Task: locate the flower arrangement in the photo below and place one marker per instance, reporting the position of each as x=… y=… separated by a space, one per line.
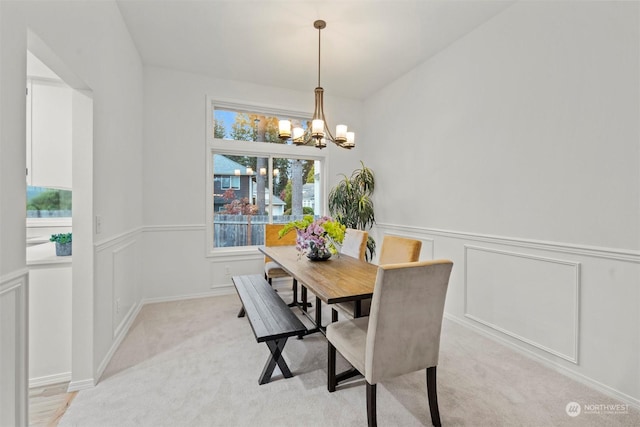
x=317 y=238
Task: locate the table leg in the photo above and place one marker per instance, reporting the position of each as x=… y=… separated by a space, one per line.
x=319 y=313
x=295 y=294
x=304 y=299
x=357 y=310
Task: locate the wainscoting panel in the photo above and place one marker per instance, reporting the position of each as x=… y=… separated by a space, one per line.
x=117 y=293
x=50 y=323
x=13 y=345
x=574 y=308
x=533 y=299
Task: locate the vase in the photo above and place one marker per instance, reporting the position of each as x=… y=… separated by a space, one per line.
x=318 y=253
x=63 y=249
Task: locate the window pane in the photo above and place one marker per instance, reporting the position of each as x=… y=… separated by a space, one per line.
x=246 y=126
x=241 y=212
x=45 y=202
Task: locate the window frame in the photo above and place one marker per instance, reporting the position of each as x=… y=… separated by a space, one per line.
x=251 y=148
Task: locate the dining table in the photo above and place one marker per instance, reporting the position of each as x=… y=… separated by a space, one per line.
x=340 y=278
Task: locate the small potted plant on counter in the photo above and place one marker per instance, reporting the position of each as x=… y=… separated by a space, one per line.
x=63 y=243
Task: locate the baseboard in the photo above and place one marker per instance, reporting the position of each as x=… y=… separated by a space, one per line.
x=49 y=379
x=120 y=333
x=81 y=385
x=126 y=322
x=589 y=382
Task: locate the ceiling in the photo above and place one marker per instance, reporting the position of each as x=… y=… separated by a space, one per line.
x=365 y=46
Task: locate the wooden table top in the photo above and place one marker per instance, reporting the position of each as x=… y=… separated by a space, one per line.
x=340 y=278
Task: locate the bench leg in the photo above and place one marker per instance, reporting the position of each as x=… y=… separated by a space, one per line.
x=275 y=347
x=241 y=312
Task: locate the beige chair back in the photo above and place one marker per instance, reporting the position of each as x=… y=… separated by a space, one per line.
x=397 y=249
x=355 y=243
x=406 y=318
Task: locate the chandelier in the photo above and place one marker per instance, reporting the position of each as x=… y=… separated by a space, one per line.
x=319 y=131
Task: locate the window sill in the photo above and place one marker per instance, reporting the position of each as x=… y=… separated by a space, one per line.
x=48 y=222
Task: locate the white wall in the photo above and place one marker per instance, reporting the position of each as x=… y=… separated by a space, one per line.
x=175 y=176
x=515 y=152
x=49 y=325
x=92 y=42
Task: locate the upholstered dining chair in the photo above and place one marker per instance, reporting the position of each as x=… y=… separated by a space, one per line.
x=273 y=270
x=354 y=243
x=402 y=332
x=395 y=249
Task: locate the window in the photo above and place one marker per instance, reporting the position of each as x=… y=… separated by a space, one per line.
x=230 y=182
x=45 y=202
x=253 y=178
x=239 y=124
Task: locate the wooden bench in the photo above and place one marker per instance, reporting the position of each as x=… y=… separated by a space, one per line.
x=271 y=320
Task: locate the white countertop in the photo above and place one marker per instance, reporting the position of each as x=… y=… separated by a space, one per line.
x=45 y=253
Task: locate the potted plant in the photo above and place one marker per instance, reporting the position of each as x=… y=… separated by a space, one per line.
x=350 y=203
x=63 y=243
x=317 y=238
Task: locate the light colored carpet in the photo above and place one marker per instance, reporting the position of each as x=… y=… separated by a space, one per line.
x=194 y=363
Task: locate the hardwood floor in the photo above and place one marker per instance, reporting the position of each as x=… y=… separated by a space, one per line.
x=48 y=403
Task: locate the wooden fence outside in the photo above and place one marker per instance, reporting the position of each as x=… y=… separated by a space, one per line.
x=244 y=230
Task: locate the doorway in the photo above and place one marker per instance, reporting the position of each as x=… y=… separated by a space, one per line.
x=61 y=287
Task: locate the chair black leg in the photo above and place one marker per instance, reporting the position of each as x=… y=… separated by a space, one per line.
x=433 y=396
x=241 y=312
x=371 y=405
x=270 y=280
x=331 y=369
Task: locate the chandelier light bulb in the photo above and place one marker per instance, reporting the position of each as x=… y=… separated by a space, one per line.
x=341 y=133
x=284 y=129
x=351 y=140
x=298 y=134
x=317 y=128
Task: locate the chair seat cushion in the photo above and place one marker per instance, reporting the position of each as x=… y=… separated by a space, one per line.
x=349 y=337
x=273 y=269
